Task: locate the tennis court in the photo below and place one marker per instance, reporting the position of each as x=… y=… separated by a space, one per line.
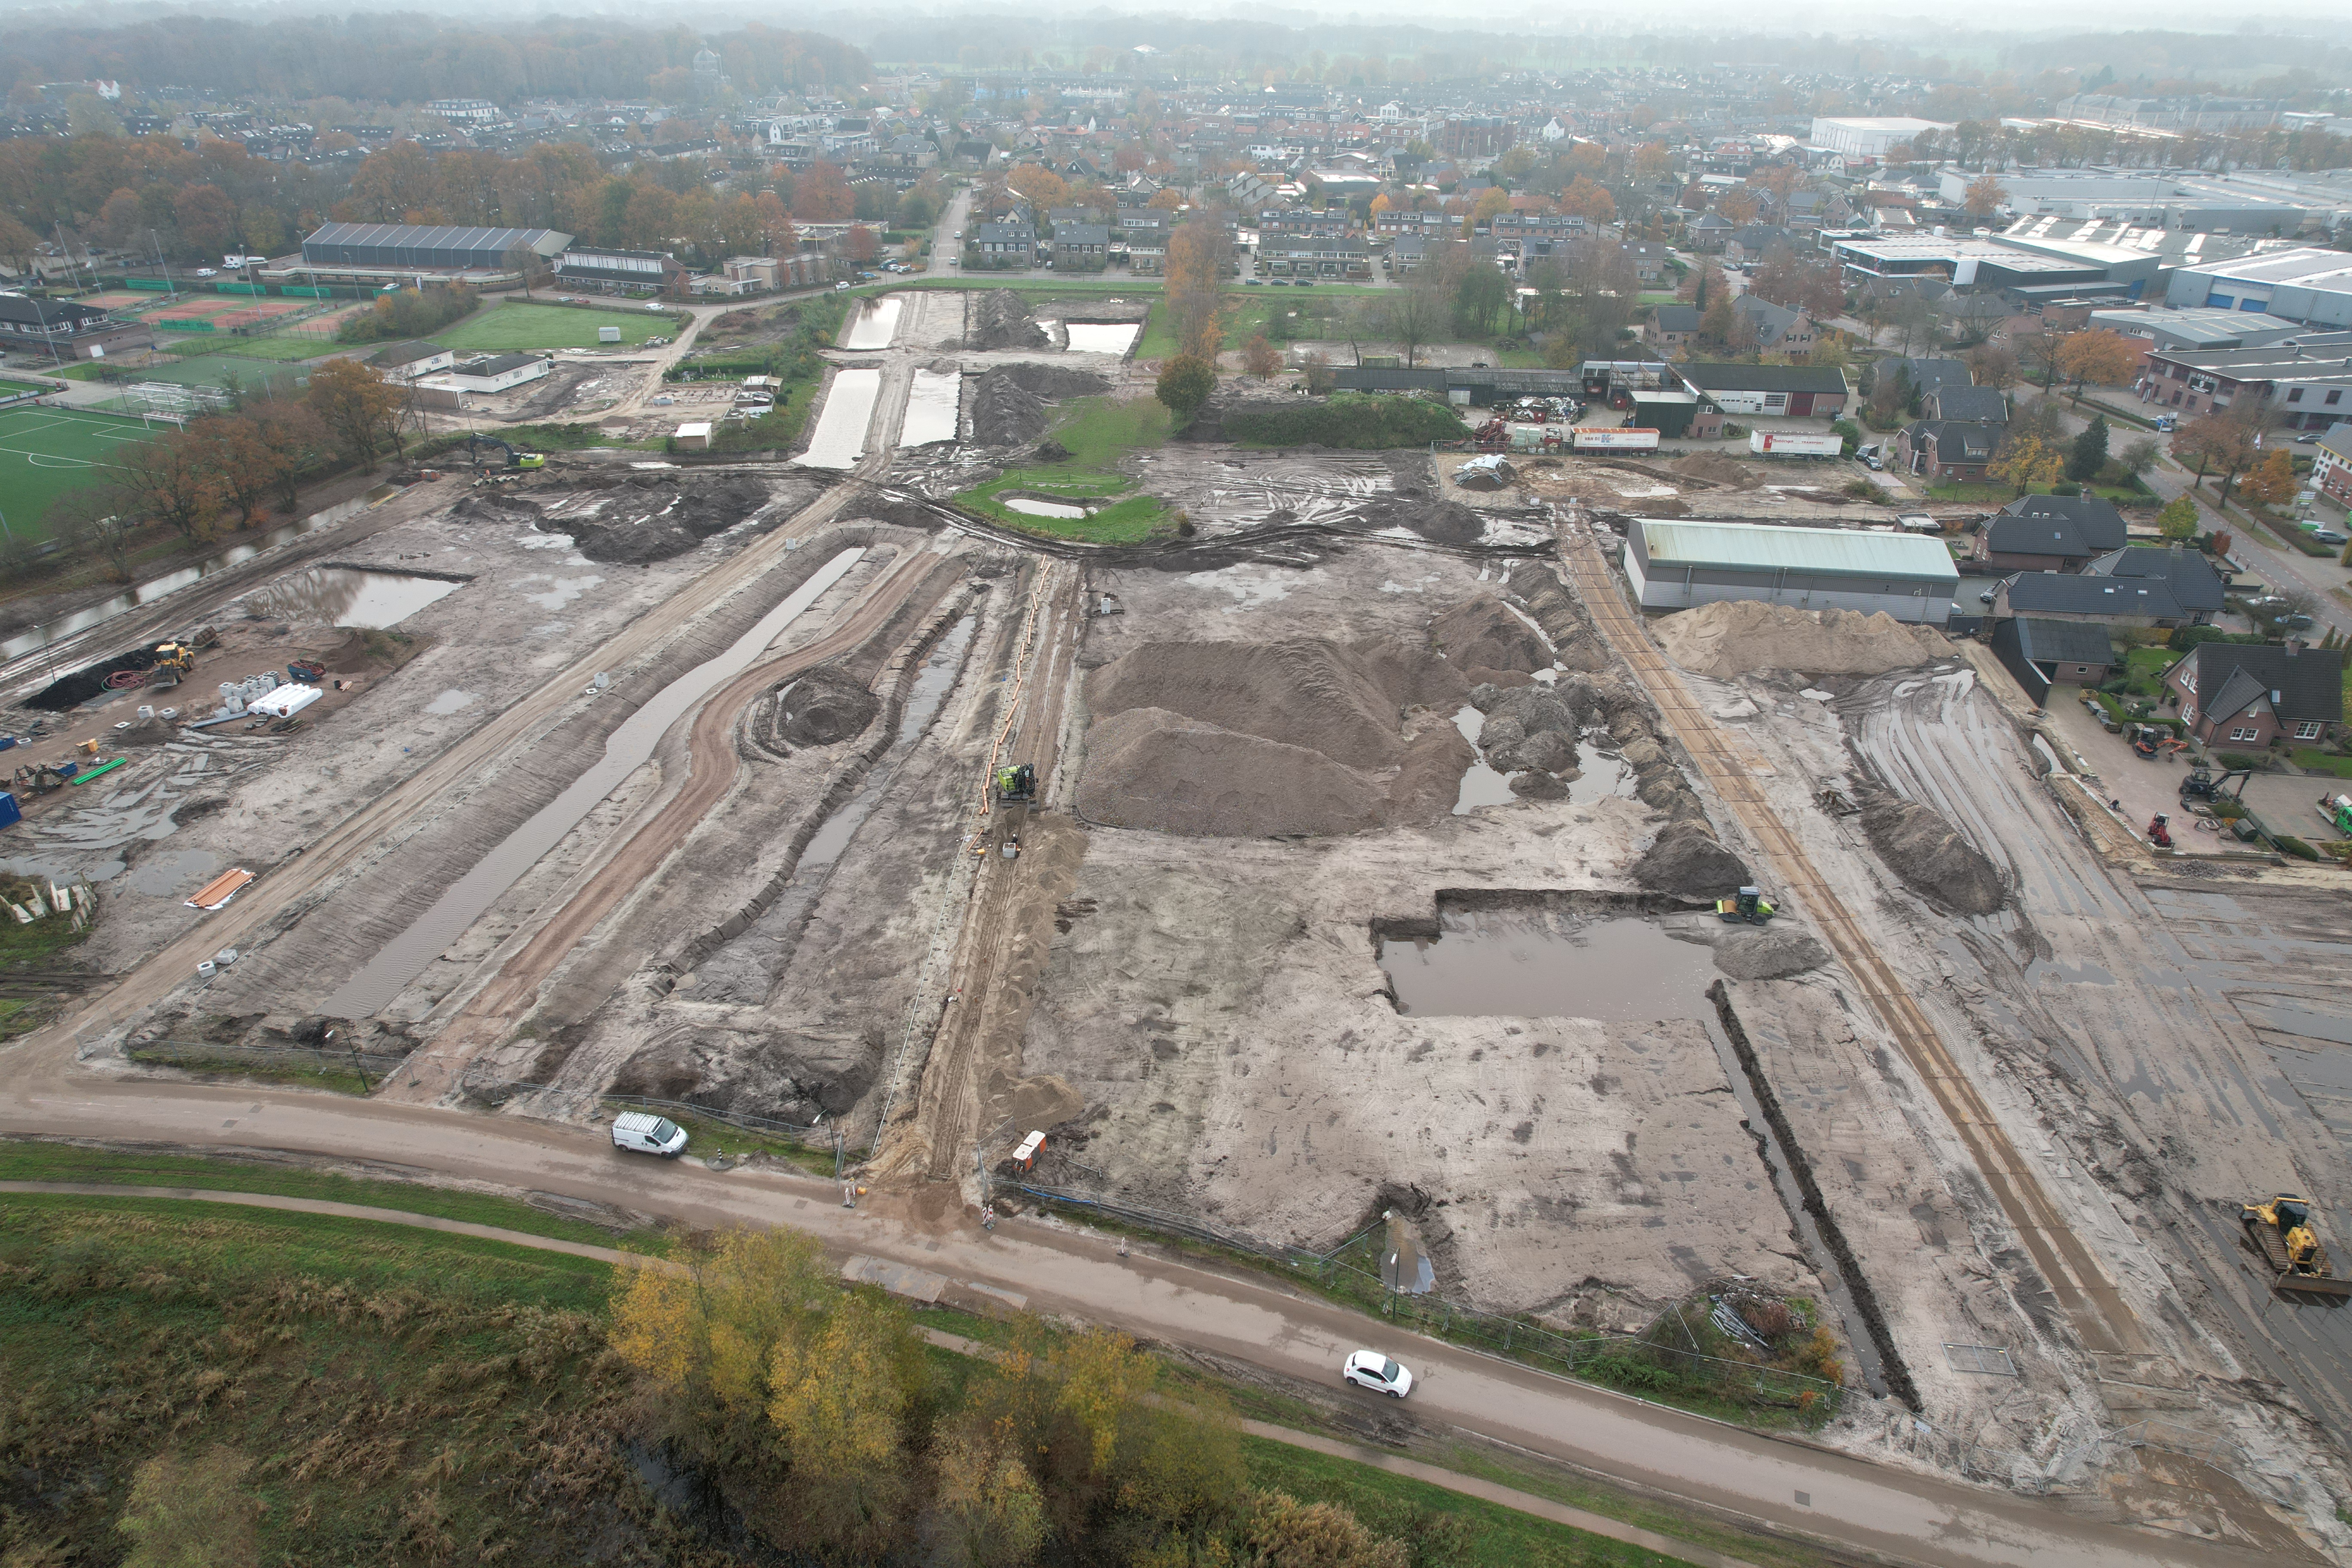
x=45 y=452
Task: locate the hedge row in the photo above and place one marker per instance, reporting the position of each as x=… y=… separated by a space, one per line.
x=1357 y=420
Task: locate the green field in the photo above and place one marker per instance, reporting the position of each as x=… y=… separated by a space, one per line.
x=19 y=388
x=1098 y=432
x=282 y=347
x=509 y=327
x=45 y=452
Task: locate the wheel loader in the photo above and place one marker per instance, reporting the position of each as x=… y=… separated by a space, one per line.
x=2280 y=1229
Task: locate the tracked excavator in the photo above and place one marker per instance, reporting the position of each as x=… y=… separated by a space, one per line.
x=2280 y=1229
x=516 y=457
x=1015 y=789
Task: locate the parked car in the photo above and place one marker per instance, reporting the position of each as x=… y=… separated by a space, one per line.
x=2306 y=438
x=2331 y=536
x=1371 y=1369
x=1252 y=283
x=207 y=272
x=2293 y=623
x=642 y=1132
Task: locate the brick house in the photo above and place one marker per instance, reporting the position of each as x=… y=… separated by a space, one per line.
x=1778 y=329
x=1940 y=449
x=1081 y=247
x=2049 y=533
x=1671 y=329
x=2331 y=465
x=2241 y=694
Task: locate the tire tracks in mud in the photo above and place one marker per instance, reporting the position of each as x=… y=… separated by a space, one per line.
x=2092 y=1302
x=436 y=1068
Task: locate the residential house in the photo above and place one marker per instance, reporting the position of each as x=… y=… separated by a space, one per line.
x=1750 y=241
x=2331 y=465
x=1777 y=328
x=1949 y=451
x=1794 y=391
x=1976 y=317
x=1671 y=329
x=1709 y=232
x=1984 y=404
x=1306 y=256
x=2249 y=695
x=1081 y=247
x=1001 y=246
x=2050 y=533
x=2045 y=653
x=2190 y=575
x=1926 y=375
x=2100 y=601
x=1649 y=259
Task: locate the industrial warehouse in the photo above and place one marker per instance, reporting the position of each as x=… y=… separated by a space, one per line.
x=1678 y=566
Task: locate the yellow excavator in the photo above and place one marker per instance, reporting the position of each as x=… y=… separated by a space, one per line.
x=2280 y=1229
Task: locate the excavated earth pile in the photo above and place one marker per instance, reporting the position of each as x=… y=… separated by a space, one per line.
x=1439 y=521
x=1931 y=855
x=1718 y=470
x=634 y=519
x=815 y=708
x=1490 y=642
x=1000 y=320
x=1004 y=413
x=1053 y=381
x=1736 y=636
x=1248 y=740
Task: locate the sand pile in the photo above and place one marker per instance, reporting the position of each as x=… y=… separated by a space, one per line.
x=1004 y=413
x=1717 y=469
x=1687 y=862
x=1734 y=636
x=1439 y=521
x=1488 y=640
x=1000 y=320
x=1931 y=857
x=1768 y=952
x=1253 y=739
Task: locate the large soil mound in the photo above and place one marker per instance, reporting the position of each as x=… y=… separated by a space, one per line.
x=1000 y=320
x=642 y=518
x=1253 y=739
x=1931 y=857
x=1485 y=639
x=1004 y=413
x=1734 y=636
x=1439 y=521
x=822 y=706
x=1687 y=862
x=1053 y=380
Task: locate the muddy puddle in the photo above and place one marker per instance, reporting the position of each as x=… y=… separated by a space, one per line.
x=746 y=970
x=405 y=957
x=1102 y=337
x=933 y=404
x=876 y=323
x=1536 y=962
x=345 y=597
x=1604 y=777
x=1481 y=785
x=840 y=438
x=1033 y=507
x=149 y=592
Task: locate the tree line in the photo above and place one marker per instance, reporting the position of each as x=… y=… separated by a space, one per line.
x=815 y=1417
x=233 y=466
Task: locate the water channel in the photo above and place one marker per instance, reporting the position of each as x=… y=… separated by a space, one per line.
x=840 y=438
x=934 y=402
x=405 y=957
x=876 y=323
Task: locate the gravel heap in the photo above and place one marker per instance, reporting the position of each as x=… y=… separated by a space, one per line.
x=1931 y=855
x=1736 y=636
x=1248 y=740
x=1000 y=320
x=1488 y=641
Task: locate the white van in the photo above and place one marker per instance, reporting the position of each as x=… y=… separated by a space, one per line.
x=645 y=1134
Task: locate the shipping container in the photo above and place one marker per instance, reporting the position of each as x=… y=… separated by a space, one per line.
x=1794 y=444
x=1592 y=438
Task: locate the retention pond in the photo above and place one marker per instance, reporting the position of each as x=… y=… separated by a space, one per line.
x=1548 y=959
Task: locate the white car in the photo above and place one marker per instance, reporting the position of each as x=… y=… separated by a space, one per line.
x=645 y=1134
x=206 y=272
x=1371 y=1369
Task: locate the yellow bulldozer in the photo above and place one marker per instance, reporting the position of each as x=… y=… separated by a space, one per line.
x=2280 y=1229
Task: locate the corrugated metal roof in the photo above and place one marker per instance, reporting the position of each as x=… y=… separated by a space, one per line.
x=1748 y=547
x=416 y=237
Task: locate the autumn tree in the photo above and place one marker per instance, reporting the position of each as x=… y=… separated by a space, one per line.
x=859 y=244
x=822 y=195
x=1185 y=384
x=358 y=406
x=2178 y=519
x=1492 y=203
x=1990 y=364
x=244 y=462
x=1199 y=254
x=2218 y=441
x=1986 y=194
x=169 y=481
x=96 y=519
x=1167 y=200
x=1412 y=316
x=1044 y=187
x=2098 y=356
x=527 y=264
x=1260 y=358
x=2027 y=463
x=2139 y=457
x=2271 y=481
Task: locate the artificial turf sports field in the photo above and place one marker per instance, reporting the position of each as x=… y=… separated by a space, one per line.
x=45 y=452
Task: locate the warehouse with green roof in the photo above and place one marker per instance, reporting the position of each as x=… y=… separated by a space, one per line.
x=1675 y=565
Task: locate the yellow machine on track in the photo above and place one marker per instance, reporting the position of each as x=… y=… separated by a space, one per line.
x=2280 y=1229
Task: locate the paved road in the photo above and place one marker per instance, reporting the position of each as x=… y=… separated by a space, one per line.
x=1789 y=1483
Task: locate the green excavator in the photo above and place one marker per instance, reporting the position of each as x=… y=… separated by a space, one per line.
x=1748 y=905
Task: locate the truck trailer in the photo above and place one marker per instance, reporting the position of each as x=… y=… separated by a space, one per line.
x=1593 y=438
x=1794 y=444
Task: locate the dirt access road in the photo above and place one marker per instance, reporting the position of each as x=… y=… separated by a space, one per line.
x=2091 y=1299
x=435 y=1071
x=1788 y=1484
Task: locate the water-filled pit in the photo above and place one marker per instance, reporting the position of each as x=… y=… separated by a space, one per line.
x=840 y=438
x=1544 y=960
x=1102 y=337
x=934 y=402
x=1038 y=506
x=876 y=323
x=347 y=596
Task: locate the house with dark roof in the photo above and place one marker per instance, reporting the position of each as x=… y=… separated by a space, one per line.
x=1926 y=375
x=2245 y=694
x=1947 y=449
x=1671 y=328
x=2102 y=601
x=1796 y=390
x=1778 y=329
x=405 y=362
x=2188 y=575
x=1983 y=404
x=1081 y=247
x=2045 y=653
x=65 y=327
x=2049 y=533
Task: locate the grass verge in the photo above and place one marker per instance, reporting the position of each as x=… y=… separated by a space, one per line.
x=1097 y=432
x=512 y=326
x=2317 y=762
x=30 y=1162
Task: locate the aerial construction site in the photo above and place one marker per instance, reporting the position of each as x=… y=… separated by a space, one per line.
x=1349 y=851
